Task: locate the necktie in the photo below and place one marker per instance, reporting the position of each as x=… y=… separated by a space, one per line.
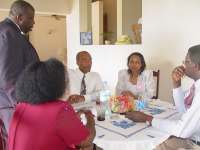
x=83 y=86
x=188 y=99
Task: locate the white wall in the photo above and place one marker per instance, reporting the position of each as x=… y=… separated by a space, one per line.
x=49 y=37
x=170 y=27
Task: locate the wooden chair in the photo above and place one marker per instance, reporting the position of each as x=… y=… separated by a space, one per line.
x=137 y=30
x=156 y=75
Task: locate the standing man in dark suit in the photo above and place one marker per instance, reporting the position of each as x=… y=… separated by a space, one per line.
x=15 y=53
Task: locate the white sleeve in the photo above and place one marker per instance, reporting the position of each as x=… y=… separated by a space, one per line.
x=98 y=87
x=178 y=96
x=186 y=126
x=149 y=84
x=120 y=83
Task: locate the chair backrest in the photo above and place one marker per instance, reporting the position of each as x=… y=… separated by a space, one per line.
x=156 y=75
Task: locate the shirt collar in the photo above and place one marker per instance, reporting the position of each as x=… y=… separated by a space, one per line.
x=197 y=83
x=80 y=72
x=17 y=26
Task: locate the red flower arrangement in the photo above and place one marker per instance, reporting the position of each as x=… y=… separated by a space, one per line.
x=121 y=104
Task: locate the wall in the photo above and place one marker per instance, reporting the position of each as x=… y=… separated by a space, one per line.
x=49 y=37
x=3 y=15
x=169 y=29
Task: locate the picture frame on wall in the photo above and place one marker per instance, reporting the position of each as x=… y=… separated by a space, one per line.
x=86 y=38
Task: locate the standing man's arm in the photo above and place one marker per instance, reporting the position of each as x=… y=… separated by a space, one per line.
x=10 y=64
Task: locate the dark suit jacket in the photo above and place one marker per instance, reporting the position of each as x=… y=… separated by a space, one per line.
x=15 y=53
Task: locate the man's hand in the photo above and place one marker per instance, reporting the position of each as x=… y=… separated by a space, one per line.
x=90 y=117
x=138 y=116
x=76 y=99
x=177 y=74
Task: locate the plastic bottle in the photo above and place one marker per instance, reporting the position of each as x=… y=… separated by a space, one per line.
x=105 y=95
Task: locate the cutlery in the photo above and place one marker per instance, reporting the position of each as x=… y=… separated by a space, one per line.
x=151 y=136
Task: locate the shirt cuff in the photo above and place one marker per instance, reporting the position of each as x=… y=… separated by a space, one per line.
x=177 y=90
x=156 y=122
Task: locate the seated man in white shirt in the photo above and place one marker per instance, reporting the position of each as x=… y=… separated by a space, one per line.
x=184 y=131
x=84 y=85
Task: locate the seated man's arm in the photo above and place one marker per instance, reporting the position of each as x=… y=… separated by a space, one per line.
x=91 y=127
x=178 y=94
x=95 y=93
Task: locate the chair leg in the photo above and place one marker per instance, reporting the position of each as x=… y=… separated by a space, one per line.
x=94 y=147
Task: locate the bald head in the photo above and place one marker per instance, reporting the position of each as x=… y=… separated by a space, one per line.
x=81 y=53
x=84 y=61
x=192 y=62
x=20 y=7
x=22 y=13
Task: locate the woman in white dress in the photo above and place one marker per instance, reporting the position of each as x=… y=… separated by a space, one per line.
x=136 y=81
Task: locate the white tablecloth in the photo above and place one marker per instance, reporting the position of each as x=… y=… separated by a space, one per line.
x=137 y=137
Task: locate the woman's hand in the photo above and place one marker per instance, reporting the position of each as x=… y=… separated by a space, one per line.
x=130 y=94
x=76 y=99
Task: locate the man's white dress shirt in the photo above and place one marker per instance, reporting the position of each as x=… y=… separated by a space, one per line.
x=145 y=86
x=93 y=83
x=188 y=125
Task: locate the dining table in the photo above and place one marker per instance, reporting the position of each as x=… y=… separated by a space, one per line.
x=119 y=133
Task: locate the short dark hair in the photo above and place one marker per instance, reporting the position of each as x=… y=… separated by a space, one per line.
x=20 y=7
x=42 y=82
x=79 y=53
x=141 y=59
x=194 y=53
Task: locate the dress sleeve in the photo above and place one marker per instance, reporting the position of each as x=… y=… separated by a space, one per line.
x=120 y=83
x=149 y=84
x=69 y=127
